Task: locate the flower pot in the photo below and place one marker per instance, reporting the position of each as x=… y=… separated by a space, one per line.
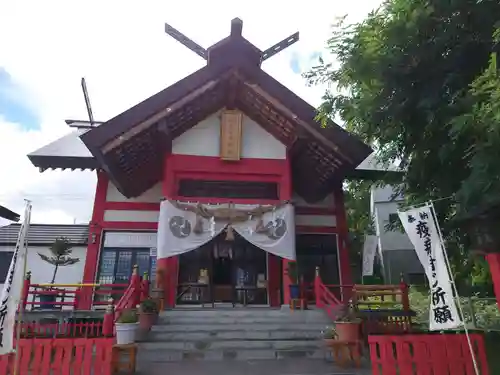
x=125 y=333
x=348 y=331
x=294 y=291
x=146 y=320
x=329 y=342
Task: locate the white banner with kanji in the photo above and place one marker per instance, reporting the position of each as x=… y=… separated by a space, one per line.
x=422 y=229
x=12 y=288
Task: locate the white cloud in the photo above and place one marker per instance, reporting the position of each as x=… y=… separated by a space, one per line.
x=122 y=50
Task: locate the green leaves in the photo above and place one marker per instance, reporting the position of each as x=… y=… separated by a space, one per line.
x=417 y=79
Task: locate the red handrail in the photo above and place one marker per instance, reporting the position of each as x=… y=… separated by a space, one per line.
x=325 y=299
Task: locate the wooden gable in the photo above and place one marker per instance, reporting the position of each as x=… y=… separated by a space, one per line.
x=131 y=146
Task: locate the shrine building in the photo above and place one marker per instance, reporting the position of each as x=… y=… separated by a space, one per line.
x=219 y=180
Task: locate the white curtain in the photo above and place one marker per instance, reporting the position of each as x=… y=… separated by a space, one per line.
x=175 y=231
x=177 y=234
x=279 y=239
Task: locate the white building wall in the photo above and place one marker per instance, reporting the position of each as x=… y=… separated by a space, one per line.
x=204 y=140
x=316 y=220
x=41 y=271
x=152 y=195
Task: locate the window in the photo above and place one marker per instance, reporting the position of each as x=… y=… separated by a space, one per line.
x=116 y=265
x=318 y=250
x=5 y=259
x=393 y=218
x=228 y=189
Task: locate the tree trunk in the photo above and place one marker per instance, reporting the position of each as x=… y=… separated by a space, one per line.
x=55 y=273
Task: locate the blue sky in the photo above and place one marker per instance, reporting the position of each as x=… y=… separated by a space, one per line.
x=300 y=64
x=14 y=104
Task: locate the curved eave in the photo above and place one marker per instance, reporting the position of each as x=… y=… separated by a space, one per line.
x=63 y=162
x=5 y=213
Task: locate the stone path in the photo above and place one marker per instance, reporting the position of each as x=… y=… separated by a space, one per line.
x=262 y=367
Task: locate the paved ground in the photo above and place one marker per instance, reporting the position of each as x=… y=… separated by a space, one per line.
x=270 y=367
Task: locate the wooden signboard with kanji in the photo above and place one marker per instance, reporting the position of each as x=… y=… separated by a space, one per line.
x=231 y=126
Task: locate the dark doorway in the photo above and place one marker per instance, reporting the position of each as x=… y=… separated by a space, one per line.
x=223 y=271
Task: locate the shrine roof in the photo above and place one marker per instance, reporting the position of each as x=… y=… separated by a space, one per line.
x=131 y=146
x=67 y=152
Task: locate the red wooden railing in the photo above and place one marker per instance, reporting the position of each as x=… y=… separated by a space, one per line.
x=325 y=299
x=134 y=293
x=67 y=296
x=60 y=356
x=64 y=329
x=427 y=354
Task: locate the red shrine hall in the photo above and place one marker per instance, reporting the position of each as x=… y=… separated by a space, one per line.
x=216 y=184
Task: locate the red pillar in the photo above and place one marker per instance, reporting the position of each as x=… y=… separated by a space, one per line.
x=286 y=193
x=343 y=235
x=94 y=241
x=169 y=266
x=494 y=263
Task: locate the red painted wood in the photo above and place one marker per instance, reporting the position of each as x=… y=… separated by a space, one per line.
x=129 y=225
x=307 y=229
x=426 y=354
x=343 y=233
x=320 y=211
x=61 y=357
x=203 y=166
x=132 y=206
x=494 y=263
x=274 y=280
x=93 y=247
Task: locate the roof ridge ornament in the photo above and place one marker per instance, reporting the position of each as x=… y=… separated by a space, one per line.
x=236 y=32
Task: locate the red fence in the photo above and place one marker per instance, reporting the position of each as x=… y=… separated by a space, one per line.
x=426 y=354
x=60 y=356
x=66 y=329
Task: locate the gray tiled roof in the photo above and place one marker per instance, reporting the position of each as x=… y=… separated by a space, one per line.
x=45 y=234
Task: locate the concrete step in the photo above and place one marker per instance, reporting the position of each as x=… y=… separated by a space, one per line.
x=216 y=335
x=162 y=356
x=289 y=366
x=238 y=312
x=232 y=344
x=256 y=319
x=203 y=327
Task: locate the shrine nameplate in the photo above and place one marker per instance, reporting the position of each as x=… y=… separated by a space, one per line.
x=231 y=125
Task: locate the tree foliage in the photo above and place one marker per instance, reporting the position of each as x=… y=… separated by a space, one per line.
x=61 y=251
x=414 y=79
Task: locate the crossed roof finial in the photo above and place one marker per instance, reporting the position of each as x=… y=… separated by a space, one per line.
x=236 y=32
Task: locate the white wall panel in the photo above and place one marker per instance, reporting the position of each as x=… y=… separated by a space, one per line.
x=41 y=271
x=316 y=220
x=131 y=216
x=328 y=202
x=204 y=140
x=152 y=195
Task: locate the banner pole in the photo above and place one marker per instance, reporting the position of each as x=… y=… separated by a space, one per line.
x=451 y=279
x=20 y=314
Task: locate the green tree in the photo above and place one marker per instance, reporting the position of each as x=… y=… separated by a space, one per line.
x=60 y=255
x=403 y=81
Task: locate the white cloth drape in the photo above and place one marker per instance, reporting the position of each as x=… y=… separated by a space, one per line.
x=176 y=230
x=13 y=286
x=282 y=239
x=369 y=251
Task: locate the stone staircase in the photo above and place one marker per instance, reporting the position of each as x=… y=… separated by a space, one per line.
x=234 y=334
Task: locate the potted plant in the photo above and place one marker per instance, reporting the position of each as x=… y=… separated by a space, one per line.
x=126 y=327
x=294 y=280
x=148 y=313
x=347 y=324
x=60 y=256
x=328 y=335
